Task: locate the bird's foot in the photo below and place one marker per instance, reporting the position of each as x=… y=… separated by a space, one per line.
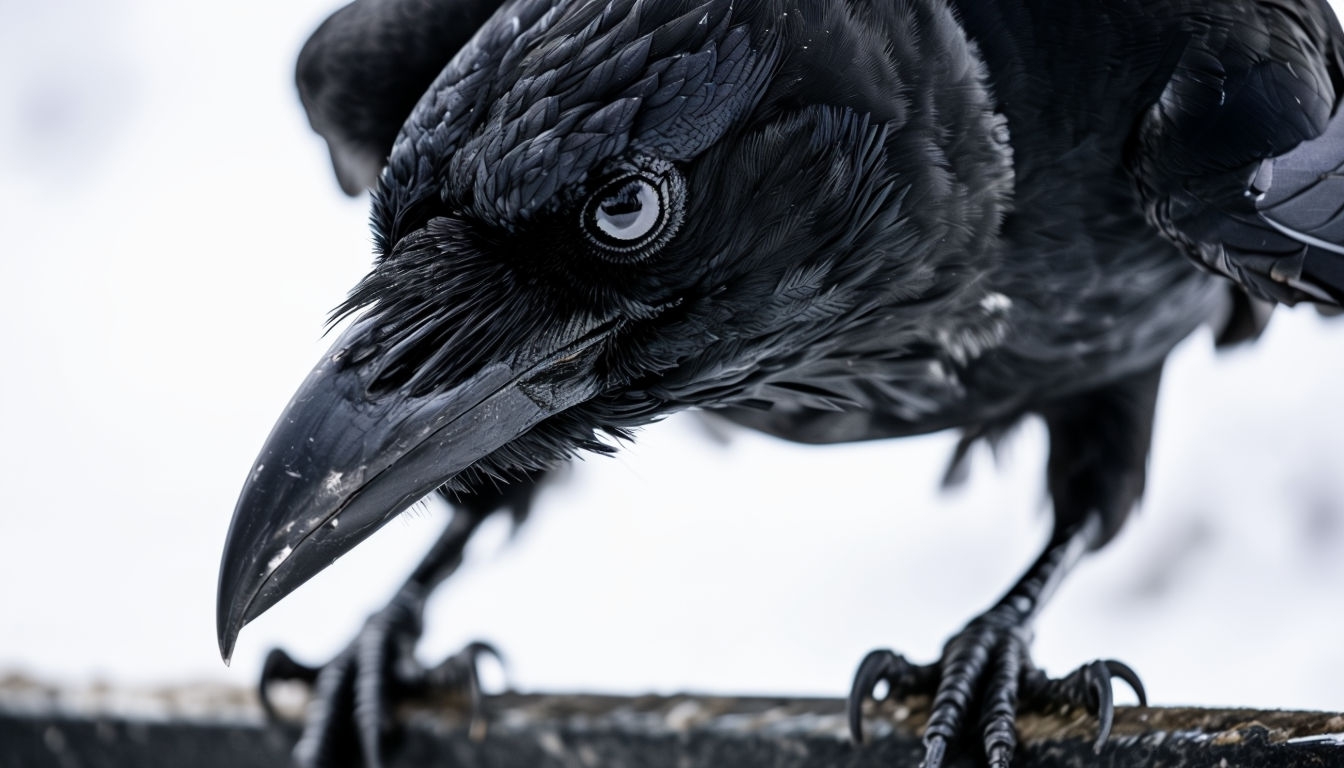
x=985 y=672
x=349 y=717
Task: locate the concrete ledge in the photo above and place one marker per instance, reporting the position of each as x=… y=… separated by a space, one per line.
x=207 y=726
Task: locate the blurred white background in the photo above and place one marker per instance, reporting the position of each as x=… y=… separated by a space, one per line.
x=173 y=241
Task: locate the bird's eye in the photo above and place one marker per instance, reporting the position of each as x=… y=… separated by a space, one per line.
x=630 y=213
x=634 y=211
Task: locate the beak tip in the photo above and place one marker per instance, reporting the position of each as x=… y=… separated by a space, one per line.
x=227 y=636
x=229 y=621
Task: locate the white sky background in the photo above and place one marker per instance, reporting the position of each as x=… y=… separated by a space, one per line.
x=173 y=241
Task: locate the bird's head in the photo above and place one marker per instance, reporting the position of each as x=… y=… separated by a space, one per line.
x=602 y=212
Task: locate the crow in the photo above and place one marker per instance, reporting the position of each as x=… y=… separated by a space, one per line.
x=828 y=220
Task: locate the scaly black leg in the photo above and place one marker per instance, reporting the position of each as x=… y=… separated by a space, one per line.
x=1098 y=447
x=986 y=668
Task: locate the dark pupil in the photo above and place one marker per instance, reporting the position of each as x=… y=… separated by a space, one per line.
x=622 y=208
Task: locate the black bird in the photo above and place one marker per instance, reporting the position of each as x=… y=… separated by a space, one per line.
x=829 y=221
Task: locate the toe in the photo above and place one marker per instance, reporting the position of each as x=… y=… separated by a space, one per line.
x=965 y=659
x=1090 y=687
x=373 y=699
x=935 y=748
x=998 y=707
x=326 y=738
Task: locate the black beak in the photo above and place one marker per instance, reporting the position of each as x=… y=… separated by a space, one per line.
x=340 y=462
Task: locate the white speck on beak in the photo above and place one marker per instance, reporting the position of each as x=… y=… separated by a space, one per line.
x=332 y=485
x=279 y=558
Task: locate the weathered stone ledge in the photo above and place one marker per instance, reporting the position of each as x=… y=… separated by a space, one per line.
x=206 y=726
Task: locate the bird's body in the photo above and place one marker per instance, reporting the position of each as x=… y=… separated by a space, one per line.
x=830 y=221
x=1080 y=288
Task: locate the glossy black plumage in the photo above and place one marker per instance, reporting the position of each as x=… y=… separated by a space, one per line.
x=869 y=220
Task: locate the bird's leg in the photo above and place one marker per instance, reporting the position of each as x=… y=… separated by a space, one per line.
x=986 y=669
x=1098 y=451
x=352 y=699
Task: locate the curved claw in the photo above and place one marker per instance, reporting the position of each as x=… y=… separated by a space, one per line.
x=281 y=666
x=462 y=670
x=461 y=667
x=1099 y=681
x=1099 y=674
x=1125 y=672
x=877 y=666
x=478 y=648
